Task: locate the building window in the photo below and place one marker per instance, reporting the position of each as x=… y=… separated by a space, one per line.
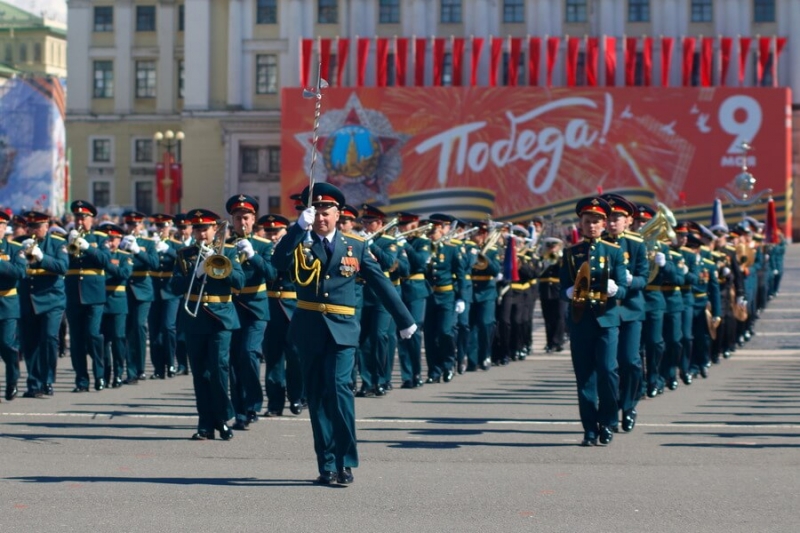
x=101 y=150
x=638 y=10
x=143 y=196
x=23 y=52
x=447 y=70
x=266 y=74
x=274 y=204
x=9 y=53
x=145 y=79
x=450 y=12
x=103 y=79
x=145 y=18
x=576 y=11
x=143 y=150
x=37 y=52
x=520 y=68
x=266 y=12
x=328 y=11
x=764 y=11
x=389 y=12
x=104 y=18
x=701 y=10
x=181 y=76
x=274 y=161
x=260 y=163
x=181 y=11
x=513 y=11
x=249 y=160
x=101 y=193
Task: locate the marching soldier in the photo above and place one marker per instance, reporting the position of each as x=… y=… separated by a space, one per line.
x=86 y=295
x=42 y=303
x=115 y=310
x=705 y=289
x=140 y=291
x=252 y=306
x=690 y=259
x=595 y=270
x=554 y=308
x=484 y=270
x=323 y=328
x=283 y=374
x=207 y=273
x=469 y=255
x=163 y=316
x=183 y=235
x=12 y=272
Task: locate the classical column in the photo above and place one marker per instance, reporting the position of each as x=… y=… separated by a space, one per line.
x=197 y=54
x=79 y=62
x=124 y=78
x=165 y=71
x=235 y=26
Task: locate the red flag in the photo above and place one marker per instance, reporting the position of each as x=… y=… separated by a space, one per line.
x=438 y=61
x=611 y=61
x=306 y=46
x=477 y=46
x=534 y=57
x=573 y=44
x=458 y=60
x=363 y=54
x=513 y=61
x=647 y=61
x=552 y=54
x=666 y=59
x=494 y=59
x=764 y=51
x=401 y=61
x=725 y=46
x=592 y=55
x=341 y=60
x=771 y=229
x=510 y=264
x=419 y=61
x=383 y=61
x=706 y=57
x=176 y=173
x=160 y=182
x=780 y=42
x=688 y=60
x=744 y=49
x=630 y=61
x=325 y=58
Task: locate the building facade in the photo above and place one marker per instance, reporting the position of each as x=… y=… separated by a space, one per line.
x=214 y=69
x=31 y=44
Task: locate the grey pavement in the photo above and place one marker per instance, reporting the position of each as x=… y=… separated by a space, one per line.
x=490 y=451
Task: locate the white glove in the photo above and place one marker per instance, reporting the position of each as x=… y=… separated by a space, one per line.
x=307 y=217
x=370 y=243
x=612 y=288
x=201 y=271
x=134 y=248
x=684 y=269
x=82 y=243
x=36 y=253
x=73 y=234
x=726 y=271
x=408 y=332
x=460 y=306
x=661 y=259
x=741 y=301
x=775 y=272
x=205 y=251
x=27 y=243
x=499 y=277
x=162 y=247
x=401 y=241
x=245 y=247
x=570 y=292
x=628 y=277
x=126 y=241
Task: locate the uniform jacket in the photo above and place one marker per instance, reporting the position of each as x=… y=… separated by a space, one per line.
x=632 y=308
x=162 y=275
x=385 y=251
x=446 y=270
x=86 y=277
x=12 y=271
x=252 y=299
x=484 y=274
x=43 y=289
x=140 y=284
x=118 y=271
x=705 y=287
x=415 y=286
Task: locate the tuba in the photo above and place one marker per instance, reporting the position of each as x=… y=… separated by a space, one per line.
x=657 y=229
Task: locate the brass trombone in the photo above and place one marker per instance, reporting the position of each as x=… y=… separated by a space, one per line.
x=215 y=266
x=420 y=230
x=386 y=227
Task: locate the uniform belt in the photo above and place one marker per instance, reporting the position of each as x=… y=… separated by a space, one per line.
x=86 y=272
x=482 y=278
x=468 y=277
x=700 y=295
x=141 y=274
x=210 y=298
x=115 y=288
x=396 y=282
x=39 y=272
x=9 y=292
x=521 y=286
x=416 y=277
x=666 y=288
x=443 y=288
x=250 y=290
x=686 y=287
x=161 y=274
x=326 y=308
x=286 y=295
x=549 y=280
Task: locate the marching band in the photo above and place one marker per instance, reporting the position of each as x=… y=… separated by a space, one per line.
x=644 y=301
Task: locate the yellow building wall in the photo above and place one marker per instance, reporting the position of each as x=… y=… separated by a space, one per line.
x=219 y=56
x=203 y=166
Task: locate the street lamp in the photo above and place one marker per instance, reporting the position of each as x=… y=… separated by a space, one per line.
x=169 y=140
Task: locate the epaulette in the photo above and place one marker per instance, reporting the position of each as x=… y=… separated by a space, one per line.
x=717 y=253
x=100 y=233
x=230 y=245
x=456 y=241
x=471 y=243
x=423 y=237
x=123 y=252
x=176 y=241
x=57 y=237
x=384 y=236
x=260 y=239
x=730 y=247
x=686 y=249
x=633 y=236
x=709 y=261
x=354 y=237
x=15 y=243
x=675 y=253
x=615 y=245
x=148 y=238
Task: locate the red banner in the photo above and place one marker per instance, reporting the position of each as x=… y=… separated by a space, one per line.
x=688 y=61
x=647 y=61
x=780 y=42
x=764 y=52
x=630 y=61
x=494 y=59
x=341 y=61
x=592 y=55
x=325 y=58
x=401 y=61
x=666 y=59
x=419 y=61
x=706 y=60
x=513 y=60
x=552 y=54
x=477 y=47
x=176 y=189
x=611 y=61
x=438 y=61
x=458 y=60
x=534 y=57
x=382 y=58
x=363 y=54
x=725 y=47
x=306 y=47
x=744 y=50
x=573 y=46
x=522 y=150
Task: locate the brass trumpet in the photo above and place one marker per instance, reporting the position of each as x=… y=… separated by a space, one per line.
x=386 y=227
x=72 y=247
x=246 y=236
x=28 y=248
x=419 y=230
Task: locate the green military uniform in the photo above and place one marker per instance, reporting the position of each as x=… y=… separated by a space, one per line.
x=115 y=310
x=163 y=315
x=554 y=309
x=469 y=256
x=705 y=290
x=12 y=271
x=484 y=271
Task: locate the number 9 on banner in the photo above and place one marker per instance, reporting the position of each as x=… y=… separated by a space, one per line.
x=740 y=116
